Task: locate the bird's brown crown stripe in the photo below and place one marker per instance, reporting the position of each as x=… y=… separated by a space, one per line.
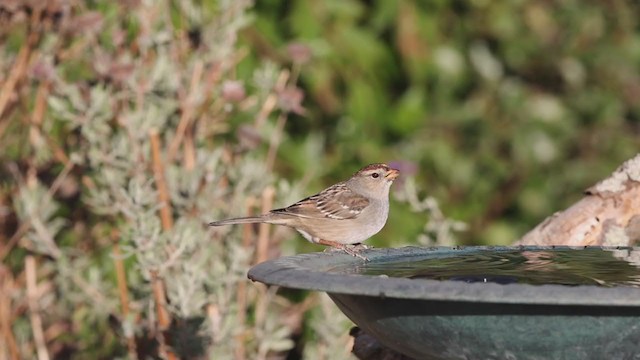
x=375 y=166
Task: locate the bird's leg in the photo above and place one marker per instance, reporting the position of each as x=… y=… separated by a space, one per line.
x=351 y=250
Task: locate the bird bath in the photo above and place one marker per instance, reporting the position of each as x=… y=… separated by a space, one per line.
x=547 y=303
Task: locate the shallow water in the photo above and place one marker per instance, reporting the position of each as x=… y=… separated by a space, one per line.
x=559 y=266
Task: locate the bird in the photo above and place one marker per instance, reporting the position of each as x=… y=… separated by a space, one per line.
x=341 y=216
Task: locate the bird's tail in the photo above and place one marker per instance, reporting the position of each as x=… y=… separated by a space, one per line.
x=241 y=220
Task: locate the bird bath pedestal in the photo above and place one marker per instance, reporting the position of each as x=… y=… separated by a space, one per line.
x=447 y=319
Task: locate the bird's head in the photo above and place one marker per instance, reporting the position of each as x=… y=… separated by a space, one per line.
x=373 y=180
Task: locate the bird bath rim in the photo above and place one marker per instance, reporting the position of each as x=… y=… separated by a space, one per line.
x=310 y=272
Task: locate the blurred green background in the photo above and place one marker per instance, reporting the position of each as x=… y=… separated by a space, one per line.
x=505 y=111
x=497 y=113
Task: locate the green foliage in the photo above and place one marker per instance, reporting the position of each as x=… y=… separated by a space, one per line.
x=492 y=101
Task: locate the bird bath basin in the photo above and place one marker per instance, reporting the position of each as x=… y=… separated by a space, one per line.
x=481 y=302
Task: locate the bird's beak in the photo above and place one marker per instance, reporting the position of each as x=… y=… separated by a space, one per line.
x=392 y=174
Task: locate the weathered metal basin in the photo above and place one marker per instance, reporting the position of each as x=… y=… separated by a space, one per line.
x=435 y=319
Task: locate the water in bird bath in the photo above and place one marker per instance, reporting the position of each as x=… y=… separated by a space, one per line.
x=573 y=267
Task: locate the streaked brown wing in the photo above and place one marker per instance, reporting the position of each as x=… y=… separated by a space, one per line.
x=336 y=202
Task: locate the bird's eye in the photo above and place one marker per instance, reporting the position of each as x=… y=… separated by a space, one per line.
x=375 y=175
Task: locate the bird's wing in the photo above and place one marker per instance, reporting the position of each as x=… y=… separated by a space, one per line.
x=336 y=202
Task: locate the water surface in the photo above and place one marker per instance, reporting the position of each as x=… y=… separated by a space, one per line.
x=559 y=266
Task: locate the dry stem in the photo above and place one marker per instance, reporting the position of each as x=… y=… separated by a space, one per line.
x=19 y=68
x=241 y=293
x=121 y=276
x=6 y=317
x=34 y=308
x=164 y=319
x=275 y=141
x=187 y=110
x=161 y=183
x=262 y=249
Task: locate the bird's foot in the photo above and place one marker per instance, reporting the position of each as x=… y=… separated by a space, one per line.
x=353 y=250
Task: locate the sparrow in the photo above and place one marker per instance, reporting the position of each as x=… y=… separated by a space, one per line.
x=340 y=216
